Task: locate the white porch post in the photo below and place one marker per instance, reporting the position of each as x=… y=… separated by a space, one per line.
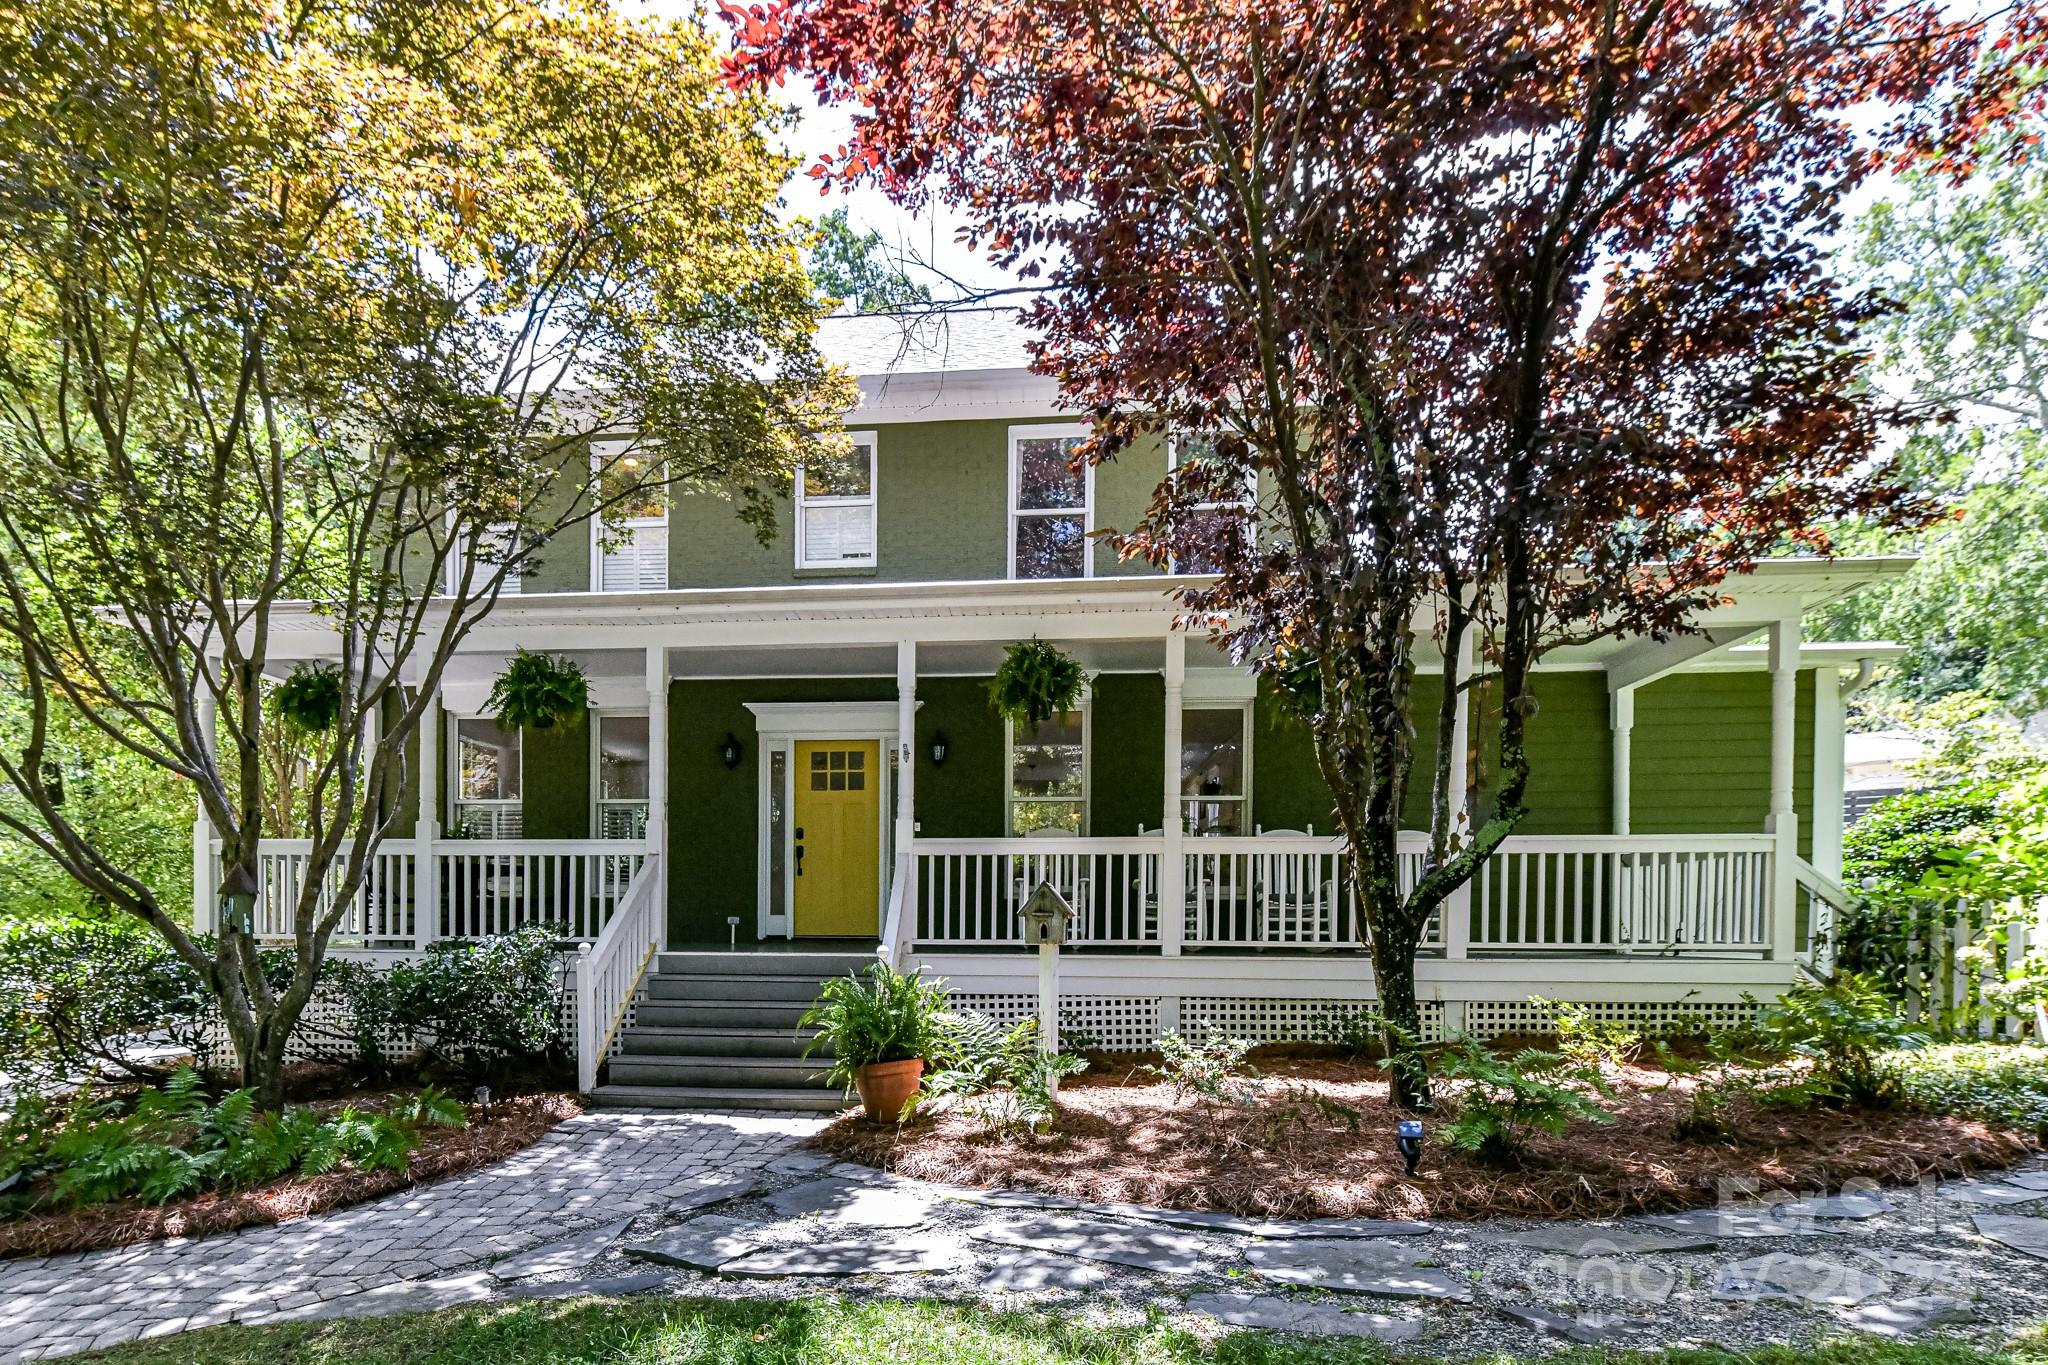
x=1172 y=828
x=1621 y=724
x=205 y=895
x=1457 y=909
x=657 y=751
x=1827 y=771
x=906 y=765
x=1783 y=822
x=426 y=925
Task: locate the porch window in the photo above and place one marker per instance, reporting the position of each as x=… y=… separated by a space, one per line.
x=1212 y=769
x=1216 y=523
x=1049 y=776
x=632 y=533
x=621 y=776
x=835 y=508
x=487 y=780
x=1050 y=503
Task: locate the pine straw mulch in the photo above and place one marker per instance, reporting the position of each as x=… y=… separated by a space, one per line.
x=1121 y=1136
x=515 y=1122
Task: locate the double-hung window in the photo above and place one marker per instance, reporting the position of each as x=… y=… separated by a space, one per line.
x=835 y=508
x=1051 y=503
x=478 y=556
x=487 y=760
x=1049 y=775
x=1213 y=770
x=622 y=749
x=631 y=531
x=1212 y=528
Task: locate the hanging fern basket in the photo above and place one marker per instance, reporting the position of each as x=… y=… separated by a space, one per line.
x=1035 y=683
x=310 y=699
x=539 y=691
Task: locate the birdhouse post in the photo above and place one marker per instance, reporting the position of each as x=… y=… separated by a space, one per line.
x=1046 y=916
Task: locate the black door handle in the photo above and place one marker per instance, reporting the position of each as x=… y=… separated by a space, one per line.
x=799 y=853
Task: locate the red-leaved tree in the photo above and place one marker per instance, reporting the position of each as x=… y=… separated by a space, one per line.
x=1521 y=315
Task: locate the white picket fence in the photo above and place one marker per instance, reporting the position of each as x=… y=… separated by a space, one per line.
x=1949 y=972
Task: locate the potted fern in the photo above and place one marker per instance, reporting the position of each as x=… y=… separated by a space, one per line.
x=879 y=1027
x=1035 y=683
x=310 y=699
x=537 y=691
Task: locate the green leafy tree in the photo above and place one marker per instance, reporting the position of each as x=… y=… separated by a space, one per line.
x=325 y=305
x=1969 y=347
x=854 y=267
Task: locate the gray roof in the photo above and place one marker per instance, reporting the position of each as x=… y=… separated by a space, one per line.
x=925 y=341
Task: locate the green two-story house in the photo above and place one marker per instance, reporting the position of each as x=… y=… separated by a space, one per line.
x=791 y=764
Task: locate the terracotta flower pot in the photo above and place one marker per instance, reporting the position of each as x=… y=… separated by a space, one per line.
x=885 y=1087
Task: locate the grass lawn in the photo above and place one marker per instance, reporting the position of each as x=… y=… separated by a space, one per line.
x=827 y=1331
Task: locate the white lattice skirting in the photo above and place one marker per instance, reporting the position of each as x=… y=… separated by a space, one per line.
x=1125 y=1023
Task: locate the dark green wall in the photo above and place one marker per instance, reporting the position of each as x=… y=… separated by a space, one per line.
x=555 y=784
x=963 y=799
x=1127 y=762
x=714 y=810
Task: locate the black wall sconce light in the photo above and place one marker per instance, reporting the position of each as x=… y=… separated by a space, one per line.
x=730 y=750
x=938 y=748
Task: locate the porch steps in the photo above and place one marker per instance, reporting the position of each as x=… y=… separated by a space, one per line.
x=718 y=1030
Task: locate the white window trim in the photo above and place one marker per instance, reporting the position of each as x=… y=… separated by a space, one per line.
x=1244 y=799
x=1050 y=431
x=1248 y=501
x=595 y=720
x=871 y=500
x=451 y=786
x=1086 y=706
x=600 y=523
x=460 y=558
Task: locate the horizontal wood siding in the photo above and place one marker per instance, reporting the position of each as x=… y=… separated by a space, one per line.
x=1701 y=755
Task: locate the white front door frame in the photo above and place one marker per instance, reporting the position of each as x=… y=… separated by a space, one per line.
x=778 y=725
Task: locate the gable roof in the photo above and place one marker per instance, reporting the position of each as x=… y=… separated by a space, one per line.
x=925 y=341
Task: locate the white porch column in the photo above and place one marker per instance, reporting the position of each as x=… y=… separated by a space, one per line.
x=205 y=895
x=427 y=828
x=1621 y=724
x=1457 y=909
x=1827 y=771
x=1173 y=826
x=1783 y=822
x=906 y=752
x=657 y=751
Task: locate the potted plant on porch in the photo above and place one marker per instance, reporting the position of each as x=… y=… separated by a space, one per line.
x=879 y=1027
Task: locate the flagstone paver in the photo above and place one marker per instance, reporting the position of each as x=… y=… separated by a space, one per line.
x=1378 y=1268
x=1993 y=1192
x=1293 y=1315
x=392 y=1254
x=1799 y=1277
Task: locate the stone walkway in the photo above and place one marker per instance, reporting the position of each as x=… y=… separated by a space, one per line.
x=596 y=1169
x=703 y=1205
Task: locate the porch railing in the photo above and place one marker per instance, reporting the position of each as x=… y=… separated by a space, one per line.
x=608 y=972
x=1707 y=895
x=479 y=887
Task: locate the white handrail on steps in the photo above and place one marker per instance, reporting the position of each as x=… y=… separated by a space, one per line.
x=894 y=949
x=608 y=971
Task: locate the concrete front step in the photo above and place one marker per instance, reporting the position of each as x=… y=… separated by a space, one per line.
x=782 y=987
x=754 y=1073
x=760 y=1016
x=618 y=1096
x=743 y=963
x=661 y=1040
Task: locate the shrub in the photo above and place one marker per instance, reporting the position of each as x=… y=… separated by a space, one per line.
x=882 y=1015
x=1002 y=1076
x=478 y=1007
x=1842 y=1028
x=1587 y=1041
x=1213 y=1069
x=1502 y=1100
x=1889 y=854
x=1354 y=1033
x=176 y=1141
x=2001 y=1083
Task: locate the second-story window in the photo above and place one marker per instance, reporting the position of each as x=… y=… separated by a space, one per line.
x=479 y=556
x=835 y=508
x=1049 y=503
x=631 y=533
x=1216 y=524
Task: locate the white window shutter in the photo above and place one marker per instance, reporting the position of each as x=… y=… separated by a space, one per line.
x=838 y=532
x=640 y=562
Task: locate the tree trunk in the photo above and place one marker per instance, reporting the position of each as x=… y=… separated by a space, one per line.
x=1393 y=966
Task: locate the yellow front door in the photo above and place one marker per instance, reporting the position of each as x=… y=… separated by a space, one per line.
x=838 y=819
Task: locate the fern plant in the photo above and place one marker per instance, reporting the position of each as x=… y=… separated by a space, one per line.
x=882 y=1015
x=1034 y=683
x=999 y=1075
x=310 y=699
x=536 y=691
x=1502 y=1100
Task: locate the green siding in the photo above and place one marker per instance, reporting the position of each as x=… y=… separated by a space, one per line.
x=963 y=799
x=1123 y=490
x=1700 y=755
x=554 y=800
x=1127 y=758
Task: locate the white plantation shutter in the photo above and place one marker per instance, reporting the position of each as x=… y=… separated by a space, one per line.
x=639 y=562
x=839 y=531
x=500 y=537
